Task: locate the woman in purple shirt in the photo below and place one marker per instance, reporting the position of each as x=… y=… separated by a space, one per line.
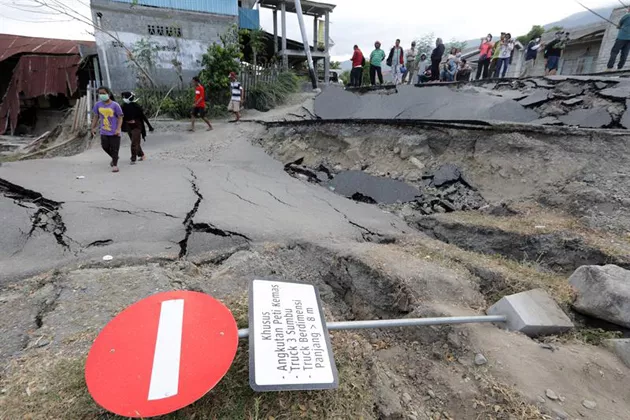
x=109 y=116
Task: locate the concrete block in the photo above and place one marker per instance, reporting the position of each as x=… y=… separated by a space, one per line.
x=621 y=347
x=533 y=313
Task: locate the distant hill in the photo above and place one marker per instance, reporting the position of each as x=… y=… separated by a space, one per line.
x=583 y=18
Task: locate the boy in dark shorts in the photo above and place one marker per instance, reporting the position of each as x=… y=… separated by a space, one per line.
x=199 y=107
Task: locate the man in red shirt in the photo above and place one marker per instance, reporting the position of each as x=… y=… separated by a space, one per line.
x=485 y=56
x=356 y=74
x=199 y=107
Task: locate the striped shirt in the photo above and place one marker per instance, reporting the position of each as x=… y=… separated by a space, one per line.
x=236 y=91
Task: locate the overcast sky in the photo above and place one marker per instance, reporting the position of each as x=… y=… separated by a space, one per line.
x=353 y=21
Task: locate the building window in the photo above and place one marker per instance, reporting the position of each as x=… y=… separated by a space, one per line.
x=170 y=31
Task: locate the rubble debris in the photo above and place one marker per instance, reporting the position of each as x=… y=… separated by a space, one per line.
x=587 y=118
x=358 y=185
x=547 y=121
x=603 y=293
x=445 y=174
x=621 y=91
x=601 y=85
x=572 y=102
x=625 y=118
x=537 y=98
x=568 y=88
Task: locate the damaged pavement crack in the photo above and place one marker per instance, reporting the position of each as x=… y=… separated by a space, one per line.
x=210 y=228
x=47 y=217
x=277 y=199
x=137 y=213
x=244 y=199
x=365 y=231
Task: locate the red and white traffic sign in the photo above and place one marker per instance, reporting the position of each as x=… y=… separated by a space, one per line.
x=161 y=354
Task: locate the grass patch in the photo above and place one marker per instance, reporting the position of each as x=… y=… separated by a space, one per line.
x=500 y=401
x=498 y=276
x=42 y=386
x=266 y=96
x=586 y=335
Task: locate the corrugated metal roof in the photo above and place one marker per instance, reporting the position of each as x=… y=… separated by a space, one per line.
x=37 y=75
x=219 y=7
x=11 y=45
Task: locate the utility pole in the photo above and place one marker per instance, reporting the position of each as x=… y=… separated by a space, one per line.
x=307 y=47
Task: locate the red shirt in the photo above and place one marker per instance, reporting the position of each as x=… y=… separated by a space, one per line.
x=357 y=59
x=200 y=97
x=486 y=49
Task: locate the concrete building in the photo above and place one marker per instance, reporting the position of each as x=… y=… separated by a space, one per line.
x=174 y=35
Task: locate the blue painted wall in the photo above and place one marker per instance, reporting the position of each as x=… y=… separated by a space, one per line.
x=219 y=7
x=248 y=18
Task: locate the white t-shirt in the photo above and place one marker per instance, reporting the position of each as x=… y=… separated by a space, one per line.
x=505 y=50
x=411 y=55
x=235 y=87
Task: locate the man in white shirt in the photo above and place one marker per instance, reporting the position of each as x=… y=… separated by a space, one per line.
x=505 y=53
x=410 y=56
x=237 y=95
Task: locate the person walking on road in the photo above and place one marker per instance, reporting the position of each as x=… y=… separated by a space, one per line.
x=530 y=57
x=109 y=116
x=436 y=59
x=411 y=59
x=199 y=107
x=622 y=44
x=133 y=125
x=505 y=52
x=238 y=94
x=395 y=60
x=356 y=74
x=376 y=61
x=485 y=56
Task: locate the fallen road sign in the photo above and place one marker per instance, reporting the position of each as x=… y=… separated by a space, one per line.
x=161 y=354
x=289 y=345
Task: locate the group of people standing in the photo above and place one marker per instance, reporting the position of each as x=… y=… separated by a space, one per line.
x=111 y=119
x=408 y=66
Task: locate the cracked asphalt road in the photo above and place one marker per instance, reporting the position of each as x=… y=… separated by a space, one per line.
x=170 y=206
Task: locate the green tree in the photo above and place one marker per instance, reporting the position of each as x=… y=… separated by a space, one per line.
x=254 y=39
x=426 y=44
x=335 y=65
x=536 y=32
x=143 y=54
x=218 y=62
x=345 y=77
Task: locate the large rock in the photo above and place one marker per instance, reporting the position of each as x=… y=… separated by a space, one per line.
x=621 y=347
x=603 y=292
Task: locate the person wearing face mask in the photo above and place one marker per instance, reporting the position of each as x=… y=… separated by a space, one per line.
x=133 y=124
x=505 y=52
x=530 y=57
x=485 y=56
x=109 y=116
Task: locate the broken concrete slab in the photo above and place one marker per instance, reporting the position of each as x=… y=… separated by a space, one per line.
x=621 y=91
x=559 y=78
x=533 y=313
x=603 y=292
x=445 y=174
x=548 y=121
x=568 y=88
x=601 y=85
x=537 y=98
x=587 y=118
x=574 y=101
x=625 y=118
x=621 y=347
x=433 y=102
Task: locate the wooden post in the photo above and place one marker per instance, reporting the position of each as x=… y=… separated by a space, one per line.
x=283 y=18
x=326 y=48
x=315 y=33
x=275 y=32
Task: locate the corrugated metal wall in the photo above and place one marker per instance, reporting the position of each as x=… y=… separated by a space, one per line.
x=220 y=7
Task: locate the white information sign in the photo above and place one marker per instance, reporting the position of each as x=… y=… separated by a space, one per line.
x=289 y=346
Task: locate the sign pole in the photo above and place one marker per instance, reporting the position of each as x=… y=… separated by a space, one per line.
x=407 y=322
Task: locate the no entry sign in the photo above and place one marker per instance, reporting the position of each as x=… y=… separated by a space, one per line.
x=289 y=346
x=161 y=354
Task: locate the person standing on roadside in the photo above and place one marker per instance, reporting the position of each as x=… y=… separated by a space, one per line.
x=376 y=61
x=410 y=56
x=553 y=52
x=530 y=57
x=423 y=64
x=485 y=56
x=622 y=44
x=356 y=74
x=133 y=125
x=199 y=107
x=236 y=89
x=436 y=59
x=495 y=55
x=505 y=52
x=109 y=116
x=395 y=60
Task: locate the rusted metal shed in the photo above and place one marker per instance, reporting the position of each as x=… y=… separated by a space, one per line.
x=40 y=66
